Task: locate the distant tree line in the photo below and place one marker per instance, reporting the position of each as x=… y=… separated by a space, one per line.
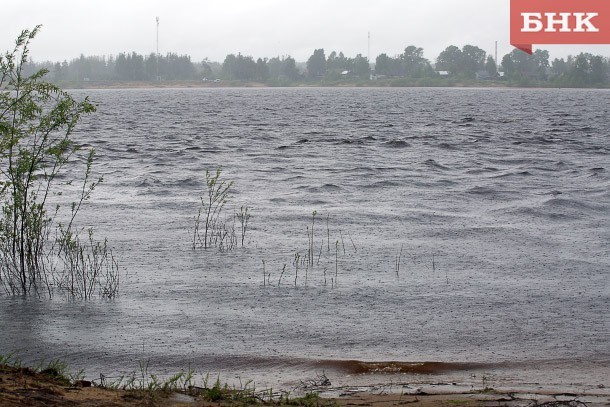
x=466 y=62
x=452 y=64
x=124 y=67
x=336 y=66
x=582 y=70
x=239 y=67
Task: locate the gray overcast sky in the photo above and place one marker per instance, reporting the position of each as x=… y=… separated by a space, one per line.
x=261 y=28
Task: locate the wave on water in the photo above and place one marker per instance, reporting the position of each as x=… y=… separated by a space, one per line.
x=558 y=208
x=188 y=182
x=554 y=192
x=596 y=170
x=447 y=146
x=383 y=184
x=324 y=188
x=479 y=190
x=148 y=182
x=433 y=164
x=576 y=206
x=348 y=141
x=512 y=174
x=484 y=170
x=361 y=367
x=397 y=144
x=295 y=178
x=465 y=120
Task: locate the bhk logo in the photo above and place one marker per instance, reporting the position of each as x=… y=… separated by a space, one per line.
x=559 y=22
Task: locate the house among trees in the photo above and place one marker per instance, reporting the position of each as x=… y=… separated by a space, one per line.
x=483 y=75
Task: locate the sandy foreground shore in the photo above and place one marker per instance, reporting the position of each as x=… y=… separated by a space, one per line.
x=24 y=387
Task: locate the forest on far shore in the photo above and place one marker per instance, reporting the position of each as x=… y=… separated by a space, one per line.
x=453 y=66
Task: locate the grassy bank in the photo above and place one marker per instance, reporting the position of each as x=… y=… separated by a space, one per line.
x=52 y=385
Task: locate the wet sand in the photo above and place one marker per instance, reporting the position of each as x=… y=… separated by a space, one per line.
x=480 y=384
x=23 y=387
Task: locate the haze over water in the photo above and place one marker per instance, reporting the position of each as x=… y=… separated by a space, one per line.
x=497 y=203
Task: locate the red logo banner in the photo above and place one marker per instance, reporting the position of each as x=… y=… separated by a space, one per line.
x=559 y=22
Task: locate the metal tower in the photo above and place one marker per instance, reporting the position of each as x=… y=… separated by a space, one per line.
x=158 y=78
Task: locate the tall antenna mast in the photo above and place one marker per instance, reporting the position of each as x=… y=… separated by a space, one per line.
x=158 y=48
x=368 y=55
x=496 y=57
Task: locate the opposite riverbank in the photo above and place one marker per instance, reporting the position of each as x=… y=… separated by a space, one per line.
x=382 y=83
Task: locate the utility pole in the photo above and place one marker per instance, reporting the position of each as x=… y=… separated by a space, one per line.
x=496 y=58
x=158 y=78
x=368 y=55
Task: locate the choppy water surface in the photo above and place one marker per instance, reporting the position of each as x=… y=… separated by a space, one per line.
x=499 y=199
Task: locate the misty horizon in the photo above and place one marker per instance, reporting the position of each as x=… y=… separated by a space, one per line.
x=265 y=28
x=432 y=60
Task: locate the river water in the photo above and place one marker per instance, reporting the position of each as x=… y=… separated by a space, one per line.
x=452 y=225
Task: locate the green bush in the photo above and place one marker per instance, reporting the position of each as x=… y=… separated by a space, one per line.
x=37 y=120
